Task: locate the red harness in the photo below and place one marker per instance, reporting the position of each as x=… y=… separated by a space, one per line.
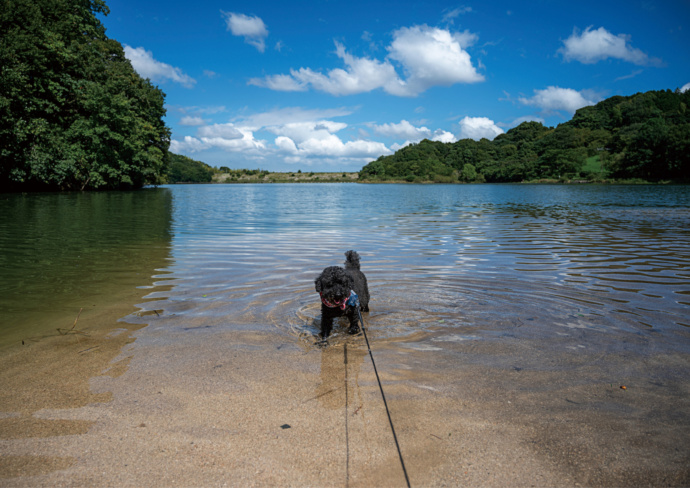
x=342 y=304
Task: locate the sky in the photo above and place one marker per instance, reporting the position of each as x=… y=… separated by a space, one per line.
x=333 y=85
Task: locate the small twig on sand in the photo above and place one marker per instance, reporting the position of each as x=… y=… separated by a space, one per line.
x=75 y=320
x=72 y=330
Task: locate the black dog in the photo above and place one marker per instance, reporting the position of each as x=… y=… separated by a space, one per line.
x=337 y=287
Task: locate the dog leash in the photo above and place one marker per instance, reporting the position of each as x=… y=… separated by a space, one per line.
x=390 y=420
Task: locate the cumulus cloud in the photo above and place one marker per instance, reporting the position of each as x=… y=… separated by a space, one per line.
x=402 y=130
x=685 y=88
x=428 y=56
x=318 y=138
x=478 y=127
x=433 y=57
x=333 y=146
x=303 y=136
x=252 y=28
x=556 y=98
x=223 y=136
x=592 y=46
x=147 y=67
x=360 y=75
x=443 y=136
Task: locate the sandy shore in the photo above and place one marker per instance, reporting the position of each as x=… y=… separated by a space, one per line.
x=207 y=402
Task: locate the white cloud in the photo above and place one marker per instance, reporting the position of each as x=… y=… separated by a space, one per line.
x=188 y=144
x=305 y=131
x=685 y=88
x=189 y=120
x=286 y=144
x=433 y=57
x=227 y=137
x=303 y=136
x=405 y=130
x=283 y=116
x=402 y=130
x=332 y=146
x=361 y=75
x=443 y=136
x=144 y=64
x=397 y=147
x=592 y=46
x=225 y=131
x=478 y=127
x=252 y=28
x=556 y=98
x=429 y=57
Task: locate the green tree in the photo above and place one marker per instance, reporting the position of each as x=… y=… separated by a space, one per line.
x=469 y=173
x=187 y=170
x=74 y=114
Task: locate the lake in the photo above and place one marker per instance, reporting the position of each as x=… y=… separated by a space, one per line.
x=527 y=305
x=610 y=258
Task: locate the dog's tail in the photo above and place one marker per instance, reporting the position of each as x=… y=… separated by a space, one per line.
x=351 y=260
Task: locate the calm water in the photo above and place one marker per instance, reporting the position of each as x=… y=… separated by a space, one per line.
x=470 y=261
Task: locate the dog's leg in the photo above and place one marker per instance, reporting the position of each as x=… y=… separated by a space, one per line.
x=326 y=322
x=353 y=317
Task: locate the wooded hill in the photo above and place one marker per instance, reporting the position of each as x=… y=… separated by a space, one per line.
x=74 y=115
x=644 y=136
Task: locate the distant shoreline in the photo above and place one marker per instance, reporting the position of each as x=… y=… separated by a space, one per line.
x=353 y=177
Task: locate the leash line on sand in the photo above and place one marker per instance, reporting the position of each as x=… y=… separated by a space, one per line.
x=347 y=431
x=390 y=420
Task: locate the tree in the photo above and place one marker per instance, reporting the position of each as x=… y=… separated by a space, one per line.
x=74 y=114
x=187 y=170
x=469 y=173
x=646 y=135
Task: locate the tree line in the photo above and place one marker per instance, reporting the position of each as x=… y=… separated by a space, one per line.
x=74 y=115
x=644 y=136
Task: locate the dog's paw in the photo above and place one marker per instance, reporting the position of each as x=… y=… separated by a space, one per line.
x=354 y=329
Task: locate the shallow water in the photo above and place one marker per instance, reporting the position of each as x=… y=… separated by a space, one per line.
x=460 y=262
x=60 y=253
x=506 y=322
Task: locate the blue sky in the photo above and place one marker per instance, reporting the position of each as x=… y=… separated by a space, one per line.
x=332 y=85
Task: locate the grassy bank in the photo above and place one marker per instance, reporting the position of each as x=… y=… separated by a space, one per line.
x=257 y=176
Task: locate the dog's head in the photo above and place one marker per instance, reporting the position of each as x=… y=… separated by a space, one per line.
x=334 y=286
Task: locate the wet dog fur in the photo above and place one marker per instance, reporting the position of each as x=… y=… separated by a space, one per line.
x=334 y=285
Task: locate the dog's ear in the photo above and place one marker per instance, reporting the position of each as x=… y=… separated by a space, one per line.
x=317 y=283
x=350 y=282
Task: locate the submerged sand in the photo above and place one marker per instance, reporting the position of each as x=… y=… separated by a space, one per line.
x=192 y=401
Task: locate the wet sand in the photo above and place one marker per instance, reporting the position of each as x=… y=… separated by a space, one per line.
x=214 y=401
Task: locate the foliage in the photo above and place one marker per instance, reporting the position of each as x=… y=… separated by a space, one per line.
x=644 y=136
x=74 y=114
x=187 y=170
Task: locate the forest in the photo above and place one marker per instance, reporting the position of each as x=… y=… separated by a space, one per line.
x=74 y=115
x=643 y=137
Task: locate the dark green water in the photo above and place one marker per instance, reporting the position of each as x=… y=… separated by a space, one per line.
x=63 y=252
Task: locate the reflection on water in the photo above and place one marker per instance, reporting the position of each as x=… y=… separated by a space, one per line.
x=475 y=259
x=464 y=257
x=62 y=252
